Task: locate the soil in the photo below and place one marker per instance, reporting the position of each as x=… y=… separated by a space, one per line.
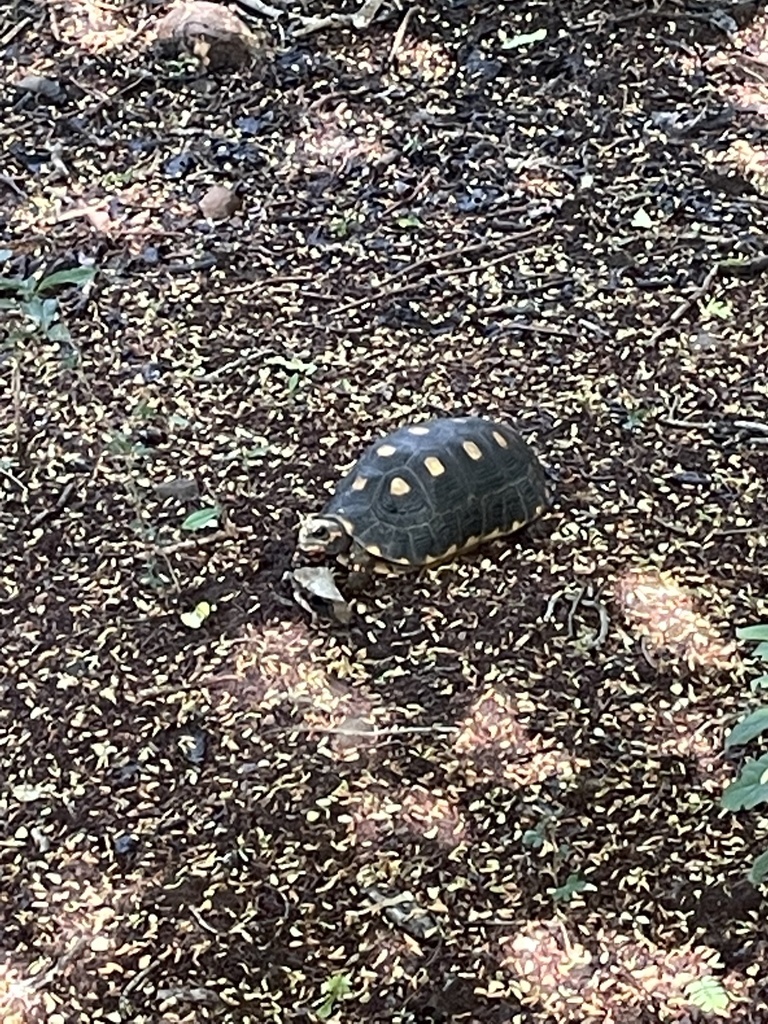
x=494 y=795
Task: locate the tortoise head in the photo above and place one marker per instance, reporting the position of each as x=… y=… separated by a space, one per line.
x=324 y=535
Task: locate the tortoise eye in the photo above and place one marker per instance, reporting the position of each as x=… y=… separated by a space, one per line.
x=321 y=533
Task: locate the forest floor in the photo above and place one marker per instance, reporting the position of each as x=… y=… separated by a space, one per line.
x=494 y=795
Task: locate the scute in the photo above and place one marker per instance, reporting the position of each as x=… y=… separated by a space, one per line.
x=490 y=484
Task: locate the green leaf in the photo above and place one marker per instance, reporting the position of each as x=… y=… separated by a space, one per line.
x=293 y=383
x=759 y=869
x=708 y=994
x=200 y=519
x=758 y=684
x=410 y=220
x=325 y=1009
x=35 y=309
x=11 y=284
x=748 y=728
x=751 y=787
x=119 y=444
x=59 y=332
x=573 y=885
x=532 y=839
x=753 y=632
x=77 y=275
x=761 y=651
x=338 y=986
x=719 y=308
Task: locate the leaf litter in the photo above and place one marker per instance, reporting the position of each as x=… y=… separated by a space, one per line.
x=536 y=213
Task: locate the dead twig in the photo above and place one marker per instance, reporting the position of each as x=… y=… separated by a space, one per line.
x=373 y=733
x=687 y=304
x=261 y=8
x=384 y=292
x=18 y=422
x=361 y=19
x=14 y=31
x=399 y=36
x=193 y=542
x=582 y=597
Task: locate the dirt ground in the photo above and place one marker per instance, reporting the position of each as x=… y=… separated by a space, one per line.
x=494 y=795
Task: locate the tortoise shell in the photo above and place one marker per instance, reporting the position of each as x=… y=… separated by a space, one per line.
x=431 y=490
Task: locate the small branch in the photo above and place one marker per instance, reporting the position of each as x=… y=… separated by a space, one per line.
x=386 y=293
x=361 y=19
x=262 y=8
x=18 y=423
x=14 y=31
x=374 y=733
x=192 y=543
x=755 y=425
x=397 y=42
x=678 y=313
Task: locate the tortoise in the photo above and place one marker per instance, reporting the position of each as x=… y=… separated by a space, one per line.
x=428 y=491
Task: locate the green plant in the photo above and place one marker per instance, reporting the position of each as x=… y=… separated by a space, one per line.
x=709 y=995
x=334 y=990
x=201 y=518
x=574 y=884
x=30 y=297
x=751 y=786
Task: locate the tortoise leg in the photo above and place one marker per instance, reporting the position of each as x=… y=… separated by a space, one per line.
x=360 y=568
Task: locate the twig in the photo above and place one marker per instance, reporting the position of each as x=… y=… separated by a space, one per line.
x=673 y=528
x=678 y=313
x=18 y=423
x=735 y=530
x=586 y=598
x=516 y=325
x=424 y=262
x=138 y=979
x=397 y=42
x=361 y=19
x=262 y=8
x=41 y=980
x=756 y=425
x=373 y=733
x=193 y=542
x=697 y=424
x=15 y=30
x=204 y=924
x=386 y=293
x=11 y=184
x=61 y=502
x=14 y=479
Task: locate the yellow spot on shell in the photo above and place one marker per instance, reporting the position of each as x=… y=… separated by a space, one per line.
x=419 y=431
x=398 y=486
x=500 y=439
x=385 y=450
x=374 y=549
x=434 y=465
x=472 y=450
x=359 y=483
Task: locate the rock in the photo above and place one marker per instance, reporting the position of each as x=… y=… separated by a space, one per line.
x=39 y=85
x=219 y=203
x=210 y=32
